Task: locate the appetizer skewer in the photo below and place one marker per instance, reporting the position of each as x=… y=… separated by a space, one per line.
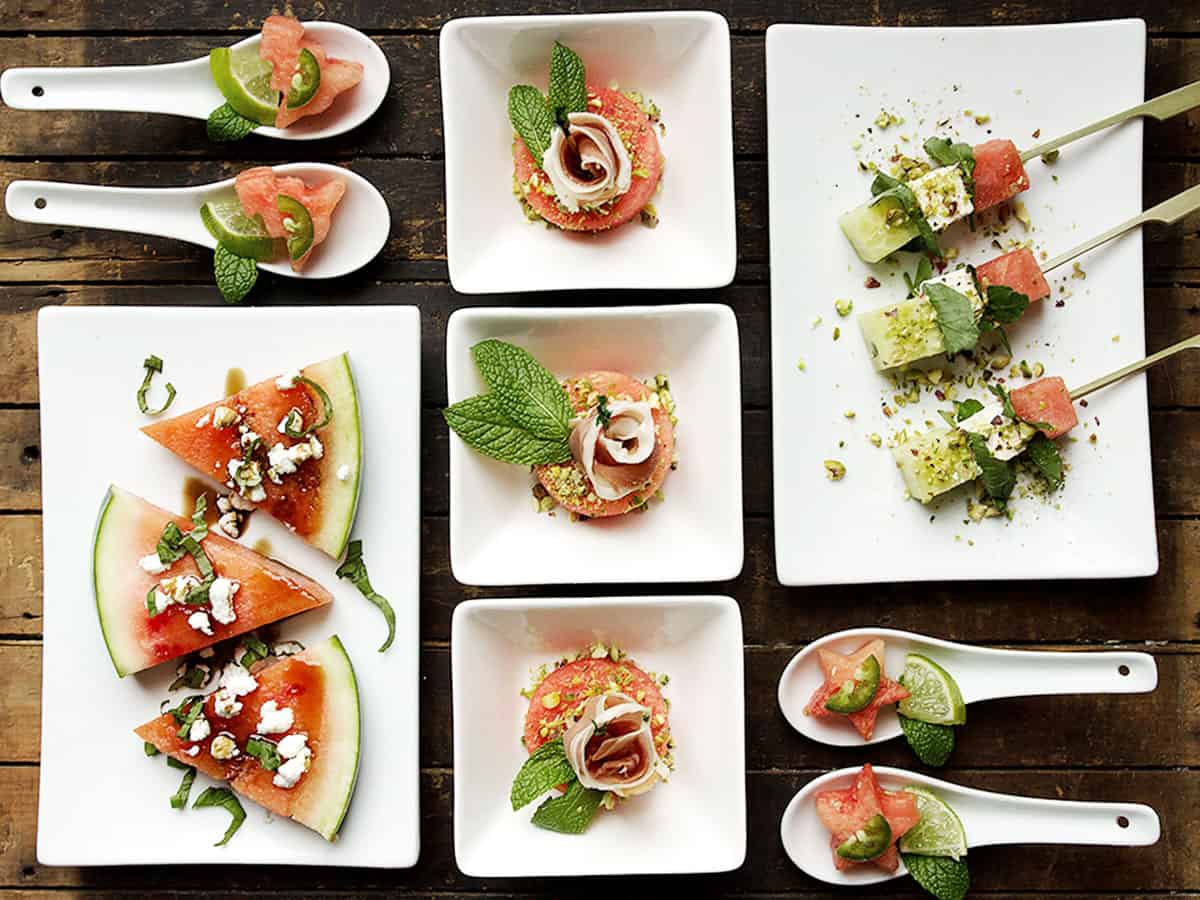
x=988 y=437
x=968 y=180
x=999 y=291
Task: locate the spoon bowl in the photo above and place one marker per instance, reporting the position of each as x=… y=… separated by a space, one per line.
x=361 y=222
x=982 y=673
x=187 y=88
x=988 y=818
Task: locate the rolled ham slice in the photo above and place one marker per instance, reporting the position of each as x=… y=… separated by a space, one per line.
x=617 y=457
x=590 y=164
x=611 y=746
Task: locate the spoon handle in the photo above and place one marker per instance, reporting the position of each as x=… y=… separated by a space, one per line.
x=163 y=212
x=1037 y=673
x=182 y=89
x=992 y=819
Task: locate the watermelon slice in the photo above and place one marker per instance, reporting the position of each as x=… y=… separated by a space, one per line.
x=319 y=498
x=1018 y=270
x=839 y=669
x=1046 y=401
x=999 y=173
x=846 y=811
x=128 y=530
x=282 y=40
x=319 y=687
x=280 y=46
x=258 y=190
x=644 y=153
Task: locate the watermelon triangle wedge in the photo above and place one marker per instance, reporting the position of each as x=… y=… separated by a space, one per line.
x=318 y=688
x=128 y=531
x=314 y=494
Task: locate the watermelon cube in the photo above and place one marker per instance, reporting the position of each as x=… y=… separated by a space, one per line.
x=1046 y=403
x=1018 y=270
x=999 y=173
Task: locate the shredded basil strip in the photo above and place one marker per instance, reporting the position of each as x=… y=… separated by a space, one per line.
x=327 y=414
x=149 y=748
x=153 y=365
x=151 y=606
x=256 y=651
x=193 y=677
x=180 y=798
x=192 y=715
x=224 y=798
x=178 y=712
x=265 y=752
x=354 y=568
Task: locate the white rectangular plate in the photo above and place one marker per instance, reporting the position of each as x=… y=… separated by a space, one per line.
x=678 y=59
x=694 y=823
x=102 y=802
x=695 y=534
x=1048 y=79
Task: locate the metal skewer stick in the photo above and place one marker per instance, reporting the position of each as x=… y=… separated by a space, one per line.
x=1160 y=108
x=1133 y=368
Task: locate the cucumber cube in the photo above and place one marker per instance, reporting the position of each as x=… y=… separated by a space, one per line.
x=935 y=462
x=876 y=230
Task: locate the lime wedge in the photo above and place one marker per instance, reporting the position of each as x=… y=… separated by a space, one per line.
x=868 y=842
x=305 y=81
x=857 y=693
x=236 y=231
x=939 y=831
x=245 y=80
x=935 y=696
x=298 y=223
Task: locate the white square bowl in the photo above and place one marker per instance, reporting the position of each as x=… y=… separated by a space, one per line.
x=694 y=823
x=862 y=529
x=681 y=61
x=89 y=367
x=496 y=537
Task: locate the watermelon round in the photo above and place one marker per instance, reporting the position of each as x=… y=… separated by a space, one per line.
x=1046 y=402
x=569 y=686
x=1018 y=270
x=641 y=141
x=128 y=529
x=319 y=687
x=999 y=173
x=315 y=501
x=575 y=494
x=845 y=811
x=839 y=669
x=258 y=191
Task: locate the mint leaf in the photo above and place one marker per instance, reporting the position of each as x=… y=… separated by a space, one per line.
x=932 y=743
x=945 y=153
x=531 y=118
x=886 y=186
x=226 y=124
x=546 y=768
x=224 y=798
x=530 y=396
x=966 y=409
x=1004 y=305
x=1002 y=395
x=955 y=317
x=997 y=475
x=1043 y=453
x=354 y=567
x=572 y=812
x=483 y=424
x=568 y=80
x=943 y=877
x=235 y=274
x=923 y=273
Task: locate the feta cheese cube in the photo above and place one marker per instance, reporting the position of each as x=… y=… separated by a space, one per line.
x=152 y=565
x=220 y=598
x=943 y=196
x=274 y=719
x=1005 y=437
x=963 y=281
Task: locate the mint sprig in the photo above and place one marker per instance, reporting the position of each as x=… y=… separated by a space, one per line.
x=226 y=124
x=922 y=274
x=572 y=812
x=568 y=81
x=1043 y=453
x=932 y=743
x=996 y=474
x=946 y=153
x=236 y=275
x=531 y=118
x=482 y=423
x=1004 y=305
x=955 y=317
x=966 y=409
x=546 y=768
x=941 y=876
x=885 y=186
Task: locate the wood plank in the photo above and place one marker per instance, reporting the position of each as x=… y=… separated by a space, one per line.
x=21 y=574
x=1028 y=869
x=20 y=702
x=20 y=459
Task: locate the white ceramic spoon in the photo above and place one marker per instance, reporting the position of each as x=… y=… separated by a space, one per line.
x=360 y=223
x=188 y=89
x=988 y=818
x=981 y=673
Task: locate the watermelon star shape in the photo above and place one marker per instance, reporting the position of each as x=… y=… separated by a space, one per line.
x=845 y=812
x=839 y=669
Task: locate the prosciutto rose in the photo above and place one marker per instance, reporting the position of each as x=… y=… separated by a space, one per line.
x=589 y=164
x=611 y=746
x=616 y=455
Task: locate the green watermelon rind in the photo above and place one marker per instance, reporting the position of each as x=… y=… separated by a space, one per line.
x=339 y=742
x=343 y=446
x=112 y=609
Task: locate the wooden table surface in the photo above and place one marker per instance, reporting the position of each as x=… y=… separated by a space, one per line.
x=1135 y=748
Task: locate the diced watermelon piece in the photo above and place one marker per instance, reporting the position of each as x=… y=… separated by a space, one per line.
x=258 y=191
x=1018 y=270
x=999 y=173
x=845 y=811
x=1046 y=402
x=838 y=669
x=337 y=77
x=280 y=46
x=319 y=687
x=128 y=530
x=319 y=499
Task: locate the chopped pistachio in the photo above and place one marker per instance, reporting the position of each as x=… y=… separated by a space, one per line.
x=875 y=439
x=835 y=470
x=837 y=333
x=843 y=307
x=1050 y=158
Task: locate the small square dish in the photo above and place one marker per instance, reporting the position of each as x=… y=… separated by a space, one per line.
x=497 y=536
x=695 y=822
x=117 y=813
x=679 y=60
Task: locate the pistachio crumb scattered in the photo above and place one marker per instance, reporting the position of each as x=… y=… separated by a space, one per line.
x=843 y=306
x=835 y=470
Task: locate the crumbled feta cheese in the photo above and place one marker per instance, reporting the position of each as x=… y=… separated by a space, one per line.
x=962 y=281
x=281 y=460
x=172 y=590
x=246 y=474
x=225 y=703
x=193 y=750
x=223 y=504
x=203 y=420
x=237 y=680
x=224 y=417
x=287 y=380
x=292 y=745
x=943 y=196
x=230 y=524
x=317 y=448
x=152 y=565
x=220 y=598
x=1005 y=437
x=290 y=772
x=287 y=648
x=200 y=729
x=257 y=494
x=273 y=719
x=249 y=437
x=223 y=746
x=240 y=504
x=343 y=473
x=199 y=622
